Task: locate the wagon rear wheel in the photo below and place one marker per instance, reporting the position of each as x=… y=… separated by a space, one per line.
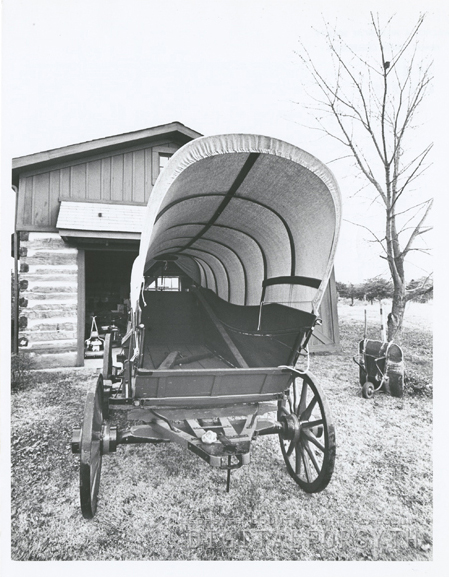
x=309 y=446
x=90 y=468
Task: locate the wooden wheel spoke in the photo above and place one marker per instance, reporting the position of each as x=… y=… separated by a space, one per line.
x=311 y=437
x=93 y=484
x=295 y=396
x=303 y=399
x=312 y=457
x=311 y=424
x=290 y=448
x=306 y=465
x=298 y=460
x=306 y=413
x=95 y=460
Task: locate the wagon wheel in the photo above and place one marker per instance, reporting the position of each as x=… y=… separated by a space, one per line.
x=90 y=468
x=309 y=447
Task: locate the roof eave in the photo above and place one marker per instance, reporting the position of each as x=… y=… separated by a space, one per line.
x=175 y=130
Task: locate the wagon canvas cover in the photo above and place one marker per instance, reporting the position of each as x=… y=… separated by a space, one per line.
x=250 y=217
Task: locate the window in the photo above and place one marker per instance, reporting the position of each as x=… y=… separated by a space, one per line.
x=163 y=160
x=165 y=283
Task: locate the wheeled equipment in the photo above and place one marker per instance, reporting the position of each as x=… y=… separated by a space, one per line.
x=236 y=252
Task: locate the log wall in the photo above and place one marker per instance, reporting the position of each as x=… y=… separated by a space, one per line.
x=48 y=300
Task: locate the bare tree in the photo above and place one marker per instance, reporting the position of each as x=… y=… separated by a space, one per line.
x=369 y=106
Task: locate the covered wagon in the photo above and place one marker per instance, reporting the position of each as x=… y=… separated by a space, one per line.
x=236 y=252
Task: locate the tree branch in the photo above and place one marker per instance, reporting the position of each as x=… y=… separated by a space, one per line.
x=376 y=239
x=417 y=230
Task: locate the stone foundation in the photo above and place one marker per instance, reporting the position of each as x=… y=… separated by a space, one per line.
x=48 y=300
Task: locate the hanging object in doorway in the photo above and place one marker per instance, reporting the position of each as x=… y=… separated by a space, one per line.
x=94 y=345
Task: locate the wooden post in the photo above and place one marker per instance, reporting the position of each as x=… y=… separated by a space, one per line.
x=382 y=324
x=81 y=320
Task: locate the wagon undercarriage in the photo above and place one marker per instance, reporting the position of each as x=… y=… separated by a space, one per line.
x=217 y=428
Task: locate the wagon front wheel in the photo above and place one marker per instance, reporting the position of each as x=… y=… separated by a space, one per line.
x=308 y=437
x=90 y=449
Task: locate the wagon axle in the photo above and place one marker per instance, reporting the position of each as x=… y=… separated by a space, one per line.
x=288 y=428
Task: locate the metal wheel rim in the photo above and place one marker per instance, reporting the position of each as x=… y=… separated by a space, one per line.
x=310 y=461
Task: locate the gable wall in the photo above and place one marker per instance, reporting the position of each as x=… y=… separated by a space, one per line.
x=124 y=177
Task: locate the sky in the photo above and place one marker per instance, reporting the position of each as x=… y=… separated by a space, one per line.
x=77 y=71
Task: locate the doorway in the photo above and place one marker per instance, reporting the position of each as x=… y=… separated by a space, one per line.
x=107 y=292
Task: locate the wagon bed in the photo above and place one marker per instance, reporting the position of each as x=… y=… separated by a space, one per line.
x=189 y=356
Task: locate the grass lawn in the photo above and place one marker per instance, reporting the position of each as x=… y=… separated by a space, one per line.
x=161 y=502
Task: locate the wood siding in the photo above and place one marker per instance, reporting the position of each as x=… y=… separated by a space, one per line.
x=127 y=177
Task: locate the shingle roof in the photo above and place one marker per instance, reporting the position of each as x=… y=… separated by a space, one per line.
x=97 y=216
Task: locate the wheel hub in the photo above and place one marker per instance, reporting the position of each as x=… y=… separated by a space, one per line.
x=108 y=439
x=76 y=440
x=290 y=427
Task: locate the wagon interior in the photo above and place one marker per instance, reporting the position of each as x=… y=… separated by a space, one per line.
x=194 y=323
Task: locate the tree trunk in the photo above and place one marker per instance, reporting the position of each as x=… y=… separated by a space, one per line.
x=396 y=316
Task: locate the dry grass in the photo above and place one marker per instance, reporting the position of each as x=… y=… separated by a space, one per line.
x=161 y=502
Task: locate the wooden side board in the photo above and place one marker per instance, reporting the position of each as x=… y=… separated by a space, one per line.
x=218 y=384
